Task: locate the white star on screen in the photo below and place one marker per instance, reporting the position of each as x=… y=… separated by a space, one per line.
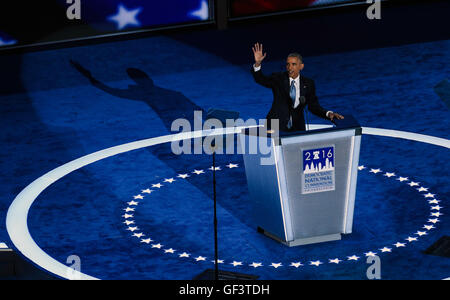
x=202 y=12
x=125 y=17
x=236 y=263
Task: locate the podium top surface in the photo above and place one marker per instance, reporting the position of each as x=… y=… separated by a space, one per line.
x=349 y=122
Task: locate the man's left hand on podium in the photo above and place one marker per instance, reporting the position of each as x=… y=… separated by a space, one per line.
x=334 y=115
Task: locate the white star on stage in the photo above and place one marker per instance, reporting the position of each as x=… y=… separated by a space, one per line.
x=128 y=222
x=184 y=254
x=412 y=183
x=422 y=189
x=276 y=265
x=353 y=257
x=198 y=172
x=429 y=195
x=375 y=171
x=411 y=239
x=315 y=263
x=434 y=201
x=138 y=197
x=334 y=261
x=159 y=246
x=202 y=12
x=385 y=249
x=170 y=180
x=147 y=241
x=147 y=191
x=126 y=216
x=138 y=235
x=216 y=168
x=361 y=167
x=437 y=207
x=420 y=233
x=434 y=221
x=389 y=174
x=401 y=179
x=230 y=165
x=200 y=258
x=125 y=17
x=132 y=229
x=184 y=176
x=128 y=209
x=133 y=203
x=436 y=214
x=255 y=265
x=296 y=264
x=169 y=250
x=428 y=227
x=219 y=261
x=157 y=185
x=398 y=244
x=370 y=253
x=236 y=263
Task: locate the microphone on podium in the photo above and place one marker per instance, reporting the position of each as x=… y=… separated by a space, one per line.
x=303 y=103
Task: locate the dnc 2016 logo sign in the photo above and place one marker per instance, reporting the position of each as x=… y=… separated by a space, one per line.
x=318 y=170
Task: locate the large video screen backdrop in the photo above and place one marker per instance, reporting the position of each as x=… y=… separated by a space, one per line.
x=30 y=22
x=241 y=8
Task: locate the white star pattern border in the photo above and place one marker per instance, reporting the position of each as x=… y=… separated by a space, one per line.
x=183 y=254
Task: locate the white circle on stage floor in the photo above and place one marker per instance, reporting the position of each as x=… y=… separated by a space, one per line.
x=17 y=216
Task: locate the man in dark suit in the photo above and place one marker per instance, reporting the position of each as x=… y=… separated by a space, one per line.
x=292 y=92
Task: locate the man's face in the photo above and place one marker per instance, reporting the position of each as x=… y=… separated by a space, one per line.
x=293 y=66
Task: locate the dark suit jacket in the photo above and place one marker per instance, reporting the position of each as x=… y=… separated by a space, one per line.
x=282 y=106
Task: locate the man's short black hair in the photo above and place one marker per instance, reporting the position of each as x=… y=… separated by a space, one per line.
x=295 y=54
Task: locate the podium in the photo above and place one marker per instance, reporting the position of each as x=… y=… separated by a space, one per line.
x=302 y=184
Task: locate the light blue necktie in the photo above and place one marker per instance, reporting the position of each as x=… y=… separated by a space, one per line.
x=292 y=92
